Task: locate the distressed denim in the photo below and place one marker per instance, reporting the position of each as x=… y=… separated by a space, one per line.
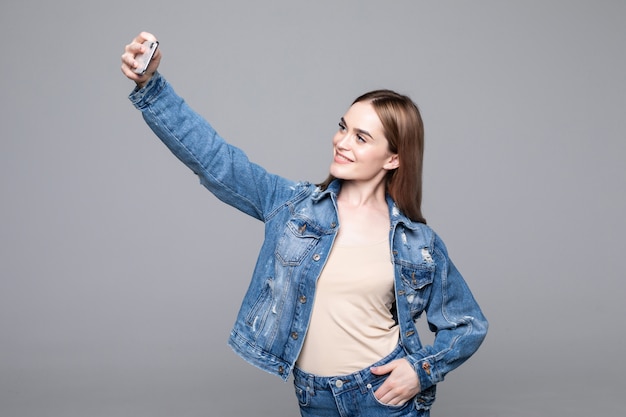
x=301 y=223
x=353 y=395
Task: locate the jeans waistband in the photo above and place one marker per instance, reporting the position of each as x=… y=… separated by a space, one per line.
x=357 y=380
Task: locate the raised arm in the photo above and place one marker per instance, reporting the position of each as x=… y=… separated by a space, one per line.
x=222 y=168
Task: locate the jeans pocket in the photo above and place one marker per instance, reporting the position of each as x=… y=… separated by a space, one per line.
x=390 y=410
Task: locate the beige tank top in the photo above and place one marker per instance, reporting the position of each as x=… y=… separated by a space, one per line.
x=351 y=325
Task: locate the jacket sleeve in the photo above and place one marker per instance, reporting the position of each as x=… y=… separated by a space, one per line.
x=456 y=318
x=222 y=168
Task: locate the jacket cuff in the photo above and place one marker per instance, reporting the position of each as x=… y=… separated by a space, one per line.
x=142 y=97
x=425 y=370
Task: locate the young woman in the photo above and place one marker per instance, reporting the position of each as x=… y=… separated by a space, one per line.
x=346 y=267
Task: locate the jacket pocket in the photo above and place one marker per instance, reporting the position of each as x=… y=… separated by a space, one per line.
x=259 y=311
x=299 y=237
x=417 y=282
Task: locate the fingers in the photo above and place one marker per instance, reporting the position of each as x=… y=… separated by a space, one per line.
x=135 y=48
x=129 y=63
x=382 y=370
x=145 y=36
x=392 y=393
x=401 y=385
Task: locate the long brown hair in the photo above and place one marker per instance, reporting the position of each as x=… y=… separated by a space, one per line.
x=404 y=131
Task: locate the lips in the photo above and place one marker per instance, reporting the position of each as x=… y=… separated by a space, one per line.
x=342 y=159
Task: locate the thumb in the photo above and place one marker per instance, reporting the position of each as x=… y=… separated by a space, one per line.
x=383 y=369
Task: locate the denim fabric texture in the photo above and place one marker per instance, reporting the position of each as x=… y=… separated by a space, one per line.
x=353 y=395
x=301 y=223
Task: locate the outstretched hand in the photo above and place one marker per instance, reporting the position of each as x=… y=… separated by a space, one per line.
x=401 y=385
x=129 y=63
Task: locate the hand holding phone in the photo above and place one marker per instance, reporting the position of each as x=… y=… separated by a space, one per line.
x=144 y=59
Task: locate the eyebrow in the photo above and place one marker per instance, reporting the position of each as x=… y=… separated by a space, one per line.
x=361 y=131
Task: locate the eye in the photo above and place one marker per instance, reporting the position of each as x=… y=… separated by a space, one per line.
x=342 y=127
x=360 y=138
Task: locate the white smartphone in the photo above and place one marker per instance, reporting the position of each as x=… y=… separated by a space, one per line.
x=145 y=58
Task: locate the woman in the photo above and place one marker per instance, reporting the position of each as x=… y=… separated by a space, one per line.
x=346 y=267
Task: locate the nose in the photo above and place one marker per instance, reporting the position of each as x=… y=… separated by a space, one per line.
x=343 y=140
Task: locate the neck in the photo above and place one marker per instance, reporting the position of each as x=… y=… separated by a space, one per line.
x=358 y=194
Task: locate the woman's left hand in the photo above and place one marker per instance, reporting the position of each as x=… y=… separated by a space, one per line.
x=401 y=385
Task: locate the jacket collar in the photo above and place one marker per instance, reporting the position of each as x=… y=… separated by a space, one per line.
x=332 y=190
x=395 y=215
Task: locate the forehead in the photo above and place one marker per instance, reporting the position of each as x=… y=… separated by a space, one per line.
x=361 y=115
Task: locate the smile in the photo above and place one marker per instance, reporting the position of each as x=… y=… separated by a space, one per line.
x=341 y=159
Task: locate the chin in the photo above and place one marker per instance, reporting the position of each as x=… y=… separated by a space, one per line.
x=336 y=173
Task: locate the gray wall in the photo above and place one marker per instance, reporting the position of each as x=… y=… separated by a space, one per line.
x=120 y=276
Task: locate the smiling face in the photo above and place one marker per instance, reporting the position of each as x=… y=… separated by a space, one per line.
x=361 y=151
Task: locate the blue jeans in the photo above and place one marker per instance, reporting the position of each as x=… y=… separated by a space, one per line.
x=350 y=395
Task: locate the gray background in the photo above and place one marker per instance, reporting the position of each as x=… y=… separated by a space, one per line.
x=120 y=276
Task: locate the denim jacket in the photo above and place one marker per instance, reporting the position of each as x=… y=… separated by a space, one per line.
x=301 y=224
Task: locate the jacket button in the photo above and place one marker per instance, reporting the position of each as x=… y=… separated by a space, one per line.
x=316 y=257
x=333 y=225
x=302 y=299
x=281 y=370
x=426 y=367
x=294 y=335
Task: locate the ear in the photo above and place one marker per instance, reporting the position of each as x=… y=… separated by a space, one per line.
x=392 y=163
